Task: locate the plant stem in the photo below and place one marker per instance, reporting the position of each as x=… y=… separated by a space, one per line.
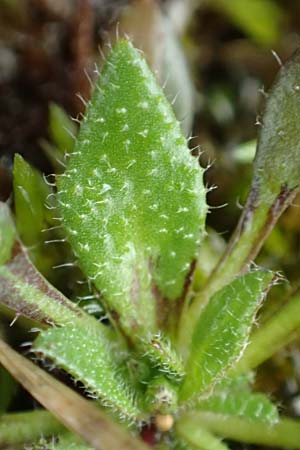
x=199 y=437
x=285 y=434
x=274 y=334
x=27 y=427
x=75 y=412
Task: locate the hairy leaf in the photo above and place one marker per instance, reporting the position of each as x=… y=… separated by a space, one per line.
x=276 y=179
x=159 y=351
x=132 y=196
x=78 y=414
x=222 y=331
x=24 y=290
x=241 y=404
x=7 y=233
x=277 y=160
x=34 y=201
x=30 y=192
x=277 y=331
x=90 y=360
x=161 y=396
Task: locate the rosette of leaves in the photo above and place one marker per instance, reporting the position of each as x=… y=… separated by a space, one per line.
x=169 y=366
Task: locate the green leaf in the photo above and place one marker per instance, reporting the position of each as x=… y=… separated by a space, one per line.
x=17 y=428
x=24 y=290
x=34 y=206
x=277 y=160
x=91 y=360
x=159 y=351
x=30 y=193
x=7 y=233
x=222 y=331
x=7 y=389
x=260 y=19
x=241 y=404
x=61 y=129
x=276 y=178
x=67 y=441
x=132 y=196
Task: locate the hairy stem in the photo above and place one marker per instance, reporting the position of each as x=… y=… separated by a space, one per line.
x=284 y=434
x=27 y=427
x=199 y=437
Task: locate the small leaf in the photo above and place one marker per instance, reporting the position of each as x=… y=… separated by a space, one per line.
x=61 y=129
x=33 y=217
x=90 y=360
x=222 y=331
x=132 y=197
x=24 y=290
x=62 y=133
x=276 y=180
x=162 y=356
x=277 y=160
x=259 y=19
x=30 y=193
x=161 y=396
x=241 y=404
x=7 y=233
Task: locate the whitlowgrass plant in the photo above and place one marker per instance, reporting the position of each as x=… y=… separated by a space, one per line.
x=162 y=363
